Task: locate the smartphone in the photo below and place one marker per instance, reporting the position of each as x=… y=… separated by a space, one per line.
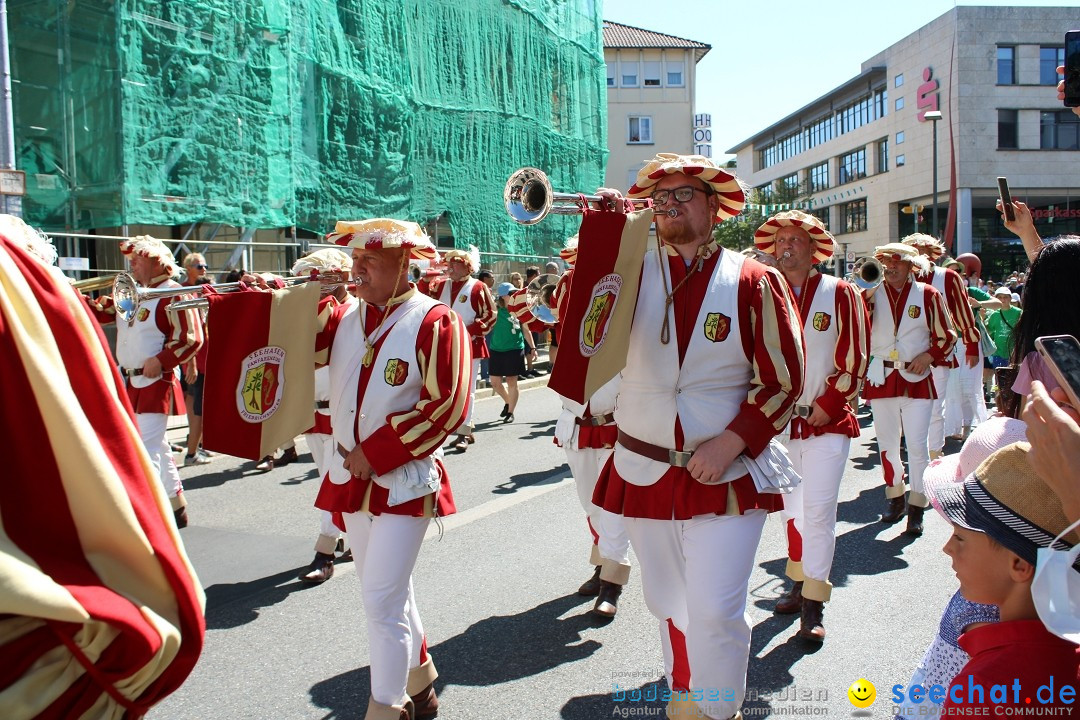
x=1062 y=356
x=1006 y=199
x=1072 y=68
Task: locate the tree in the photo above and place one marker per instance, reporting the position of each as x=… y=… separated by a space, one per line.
x=738 y=232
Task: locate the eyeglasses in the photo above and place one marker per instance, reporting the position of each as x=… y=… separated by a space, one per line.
x=200 y=267
x=682 y=194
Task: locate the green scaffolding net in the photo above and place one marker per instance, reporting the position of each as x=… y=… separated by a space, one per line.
x=268 y=113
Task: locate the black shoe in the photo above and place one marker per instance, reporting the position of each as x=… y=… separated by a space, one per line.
x=287 y=456
x=180 y=515
x=914 y=521
x=897 y=507
x=505 y=410
x=508 y=418
x=591 y=587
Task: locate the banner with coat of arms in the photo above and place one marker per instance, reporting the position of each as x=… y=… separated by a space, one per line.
x=259 y=390
x=600 y=308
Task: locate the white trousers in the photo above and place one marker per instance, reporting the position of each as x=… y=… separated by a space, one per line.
x=695 y=575
x=152 y=427
x=964 y=402
x=910 y=418
x=937 y=411
x=467 y=426
x=323 y=453
x=385 y=550
x=611 y=541
x=811 y=507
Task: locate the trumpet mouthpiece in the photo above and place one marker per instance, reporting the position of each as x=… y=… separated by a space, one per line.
x=672 y=213
x=786 y=255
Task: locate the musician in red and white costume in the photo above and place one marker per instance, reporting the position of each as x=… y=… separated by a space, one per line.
x=320 y=438
x=150 y=352
x=836 y=335
x=714 y=367
x=473 y=302
x=587 y=433
x=909 y=332
x=954 y=291
x=399 y=366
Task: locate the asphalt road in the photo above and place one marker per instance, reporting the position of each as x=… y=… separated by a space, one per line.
x=496 y=593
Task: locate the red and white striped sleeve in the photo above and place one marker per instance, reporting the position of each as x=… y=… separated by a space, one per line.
x=444 y=357
x=963 y=318
x=484 y=304
x=942 y=336
x=183 y=332
x=852 y=351
x=773 y=342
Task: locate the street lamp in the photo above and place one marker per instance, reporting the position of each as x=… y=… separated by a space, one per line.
x=933 y=116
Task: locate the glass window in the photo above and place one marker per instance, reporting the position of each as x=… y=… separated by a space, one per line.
x=852 y=166
x=1059 y=130
x=639 y=130
x=822 y=214
x=819 y=177
x=611 y=73
x=629 y=74
x=899 y=80
x=1050 y=58
x=790 y=183
x=900 y=103
x=1006 y=65
x=853 y=216
x=1007 y=133
x=651 y=73
x=900 y=137
x=883 y=155
x=675 y=74
x=900 y=160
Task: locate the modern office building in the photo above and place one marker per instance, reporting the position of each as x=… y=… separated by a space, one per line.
x=650 y=98
x=863 y=154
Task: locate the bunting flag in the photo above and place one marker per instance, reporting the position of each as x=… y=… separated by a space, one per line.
x=260 y=369
x=603 y=296
x=101 y=614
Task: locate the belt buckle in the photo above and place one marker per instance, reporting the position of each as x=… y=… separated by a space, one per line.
x=679 y=458
x=803 y=411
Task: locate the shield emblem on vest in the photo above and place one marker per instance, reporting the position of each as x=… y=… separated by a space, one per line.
x=260 y=387
x=596 y=319
x=395 y=372
x=143 y=314
x=914 y=311
x=462 y=298
x=822 y=321
x=717 y=327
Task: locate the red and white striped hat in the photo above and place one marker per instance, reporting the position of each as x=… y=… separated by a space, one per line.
x=326 y=259
x=569 y=251
x=152 y=248
x=384 y=233
x=727 y=187
x=765 y=236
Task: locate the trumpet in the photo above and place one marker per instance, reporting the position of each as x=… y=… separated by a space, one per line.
x=529 y=198
x=128 y=295
x=540 y=298
x=95 y=283
x=867 y=274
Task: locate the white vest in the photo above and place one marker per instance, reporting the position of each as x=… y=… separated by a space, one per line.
x=462 y=303
x=601 y=403
x=141 y=341
x=705 y=392
x=322 y=374
x=394 y=387
x=912 y=336
x=820 y=336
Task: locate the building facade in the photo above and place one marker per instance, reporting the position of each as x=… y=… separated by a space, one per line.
x=650 y=99
x=863 y=154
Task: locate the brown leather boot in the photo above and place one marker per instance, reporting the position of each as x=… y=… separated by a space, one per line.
x=810 y=626
x=426 y=703
x=591 y=587
x=320 y=570
x=897 y=506
x=287 y=456
x=607 y=601
x=914 y=521
x=791 y=601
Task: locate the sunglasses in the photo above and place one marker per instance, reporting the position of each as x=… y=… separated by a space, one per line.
x=682 y=194
x=200 y=267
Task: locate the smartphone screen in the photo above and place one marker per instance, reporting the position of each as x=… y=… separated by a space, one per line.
x=1006 y=199
x=1062 y=354
x=1072 y=68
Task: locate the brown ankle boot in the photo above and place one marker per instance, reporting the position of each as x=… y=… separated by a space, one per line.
x=591 y=587
x=914 y=521
x=810 y=626
x=426 y=703
x=607 y=601
x=791 y=601
x=897 y=506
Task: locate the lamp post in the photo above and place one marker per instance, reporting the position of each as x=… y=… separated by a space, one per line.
x=933 y=116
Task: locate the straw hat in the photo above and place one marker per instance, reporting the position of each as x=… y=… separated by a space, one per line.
x=322 y=260
x=765 y=236
x=384 y=233
x=461 y=256
x=903 y=252
x=921 y=241
x=39 y=245
x=726 y=186
x=152 y=248
x=569 y=251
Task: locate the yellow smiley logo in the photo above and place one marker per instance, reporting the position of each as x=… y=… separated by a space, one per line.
x=862 y=693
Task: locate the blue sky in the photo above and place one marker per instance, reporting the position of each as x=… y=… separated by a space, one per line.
x=771 y=57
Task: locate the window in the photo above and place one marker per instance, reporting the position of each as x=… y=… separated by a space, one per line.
x=765 y=192
x=675 y=74
x=1050 y=58
x=639 y=130
x=651 y=73
x=900 y=138
x=1006 y=65
x=611 y=74
x=900 y=103
x=822 y=214
x=899 y=80
x=853 y=166
x=819 y=177
x=790 y=183
x=900 y=160
x=1059 y=130
x=883 y=155
x=1007 y=130
x=629 y=74
x=853 y=216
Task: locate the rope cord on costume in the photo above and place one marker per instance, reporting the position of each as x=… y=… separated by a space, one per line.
x=669 y=299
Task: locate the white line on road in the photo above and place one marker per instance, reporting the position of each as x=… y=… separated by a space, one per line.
x=491 y=507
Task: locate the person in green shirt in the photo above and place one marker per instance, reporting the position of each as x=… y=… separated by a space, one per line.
x=507 y=343
x=1000 y=324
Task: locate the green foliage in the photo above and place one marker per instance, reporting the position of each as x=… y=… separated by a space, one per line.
x=738 y=232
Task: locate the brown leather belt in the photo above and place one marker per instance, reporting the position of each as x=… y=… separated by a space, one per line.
x=803 y=411
x=897 y=364
x=342 y=451
x=131 y=372
x=322 y=404
x=596 y=420
x=674 y=458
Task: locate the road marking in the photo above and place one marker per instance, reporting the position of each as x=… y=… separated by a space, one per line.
x=491 y=507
